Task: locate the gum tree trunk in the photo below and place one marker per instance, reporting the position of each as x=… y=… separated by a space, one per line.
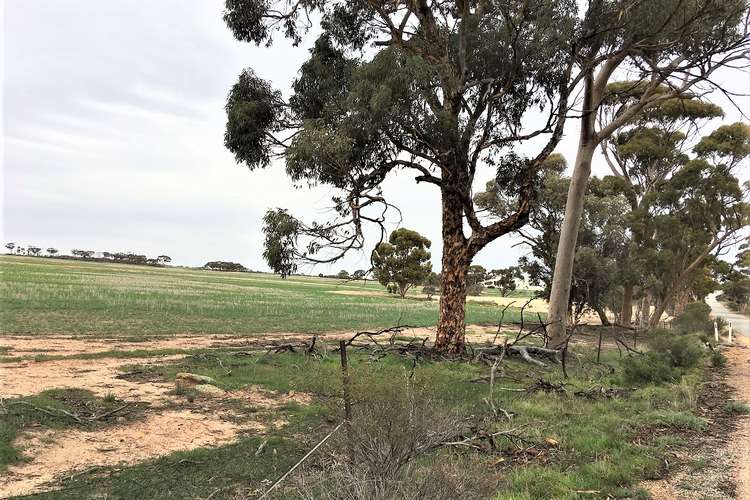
x=603 y=316
x=645 y=310
x=563 y=274
x=451 y=329
x=626 y=315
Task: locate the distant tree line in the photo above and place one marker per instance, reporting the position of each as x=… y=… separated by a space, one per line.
x=120 y=257
x=219 y=265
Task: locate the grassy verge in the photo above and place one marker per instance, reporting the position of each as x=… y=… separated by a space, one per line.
x=591 y=439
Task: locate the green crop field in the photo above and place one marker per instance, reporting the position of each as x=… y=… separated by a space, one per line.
x=52 y=296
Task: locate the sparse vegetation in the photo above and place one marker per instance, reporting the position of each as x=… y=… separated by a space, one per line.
x=737 y=407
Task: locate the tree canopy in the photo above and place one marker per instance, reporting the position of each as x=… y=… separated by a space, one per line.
x=439 y=90
x=403 y=261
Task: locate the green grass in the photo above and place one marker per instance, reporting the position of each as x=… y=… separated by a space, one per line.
x=598 y=449
x=48 y=296
x=737 y=408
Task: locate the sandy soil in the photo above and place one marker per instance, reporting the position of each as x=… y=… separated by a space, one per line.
x=168 y=424
x=26 y=378
x=739 y=447
x=66 y=345
x=56 y=454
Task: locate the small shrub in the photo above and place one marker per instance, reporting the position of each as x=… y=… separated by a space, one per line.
x=737 y=408
x=429 y=290
x=718 y=360
x=674 y=419
x=395 y=429
x=683 y=351
x=651 y=368
x=694 y=319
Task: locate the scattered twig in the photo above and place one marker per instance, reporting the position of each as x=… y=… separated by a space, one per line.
x=284 y=476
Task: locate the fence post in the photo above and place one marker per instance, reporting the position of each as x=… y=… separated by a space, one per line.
x=346 y=382
x=730 y=332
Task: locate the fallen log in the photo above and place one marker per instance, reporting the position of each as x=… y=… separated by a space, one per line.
x=525 y=352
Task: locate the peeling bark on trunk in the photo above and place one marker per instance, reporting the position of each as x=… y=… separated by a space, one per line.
x=451 y=329
x=626 y=314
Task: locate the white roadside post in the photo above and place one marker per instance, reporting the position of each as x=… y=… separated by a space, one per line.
x=730 y=332
x=716 y=331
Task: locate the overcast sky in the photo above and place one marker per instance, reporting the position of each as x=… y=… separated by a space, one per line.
x=113 y=127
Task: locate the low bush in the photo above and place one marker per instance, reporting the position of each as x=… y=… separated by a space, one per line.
x=718 y=360
x=652 y=367
x=683 y=351
x=737 y=408
x=694 y=319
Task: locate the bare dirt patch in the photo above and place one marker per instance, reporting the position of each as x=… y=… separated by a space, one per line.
x=56 y=453
x=65 y=345
x=27 y=378
x=168 y=424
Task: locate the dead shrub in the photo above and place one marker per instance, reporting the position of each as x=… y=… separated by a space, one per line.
x=390 y=449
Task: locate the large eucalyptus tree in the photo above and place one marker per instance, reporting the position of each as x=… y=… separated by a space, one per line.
x=441 y=89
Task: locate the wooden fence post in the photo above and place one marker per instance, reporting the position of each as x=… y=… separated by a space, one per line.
x=346 y=382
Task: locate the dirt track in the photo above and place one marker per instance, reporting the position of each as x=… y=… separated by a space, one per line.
x=716 y=465
x=739 y=379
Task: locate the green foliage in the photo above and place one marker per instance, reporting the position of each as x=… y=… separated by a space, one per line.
x=675 y=419
x=280 y=230
x=731 y=142
x=694 y=319
x=737 y=408
x=670 y=354
x=601 y=236
x=718 y=360
x=505 y=279
x=253 y=110
x=475 y=277
x=403 y=260
x=682 y=351
x=651 y=368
